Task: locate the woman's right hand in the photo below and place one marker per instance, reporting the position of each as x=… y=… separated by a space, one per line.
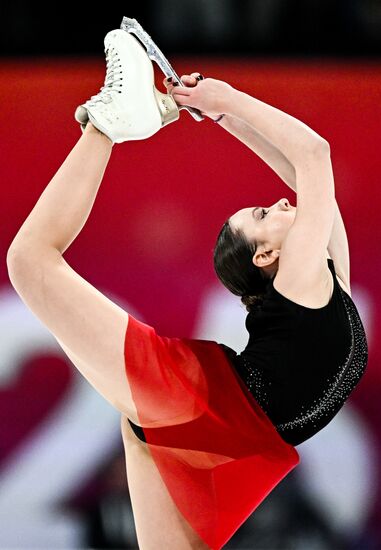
x=209 y=95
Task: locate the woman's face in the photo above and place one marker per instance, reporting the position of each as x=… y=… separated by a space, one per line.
x=266 y=226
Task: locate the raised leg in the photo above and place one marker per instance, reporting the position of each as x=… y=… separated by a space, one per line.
x=89 y=327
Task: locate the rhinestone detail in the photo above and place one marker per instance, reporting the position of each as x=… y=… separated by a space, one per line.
x=339 y=387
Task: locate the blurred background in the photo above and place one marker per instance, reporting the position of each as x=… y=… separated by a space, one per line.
x=148 y=246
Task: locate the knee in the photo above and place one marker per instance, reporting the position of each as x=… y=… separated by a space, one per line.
x=128 y=433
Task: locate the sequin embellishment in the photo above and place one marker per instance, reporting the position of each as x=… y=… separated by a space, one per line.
x=339 y=387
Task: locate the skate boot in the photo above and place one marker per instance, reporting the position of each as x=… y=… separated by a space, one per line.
x=128 y=106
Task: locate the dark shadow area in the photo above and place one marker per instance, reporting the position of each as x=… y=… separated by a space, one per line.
x=345 y=28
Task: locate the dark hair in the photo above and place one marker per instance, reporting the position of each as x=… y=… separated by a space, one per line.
x=233 y=264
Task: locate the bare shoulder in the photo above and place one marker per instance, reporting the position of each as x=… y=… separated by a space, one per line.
x=307 y=291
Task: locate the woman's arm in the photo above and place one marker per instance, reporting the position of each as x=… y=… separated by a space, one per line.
x=250 y=135
x=338 y=243
x=290 y=136
x=262 y=147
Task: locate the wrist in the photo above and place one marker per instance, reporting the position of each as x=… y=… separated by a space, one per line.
x=230 y=101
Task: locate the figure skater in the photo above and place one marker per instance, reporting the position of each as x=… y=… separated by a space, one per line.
x=207 y=432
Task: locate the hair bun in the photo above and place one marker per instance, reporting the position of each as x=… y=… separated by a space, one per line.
x=251 y=301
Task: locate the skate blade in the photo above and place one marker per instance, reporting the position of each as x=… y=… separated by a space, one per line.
x=154 y=53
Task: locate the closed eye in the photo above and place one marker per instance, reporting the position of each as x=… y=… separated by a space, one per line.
x=264 y=213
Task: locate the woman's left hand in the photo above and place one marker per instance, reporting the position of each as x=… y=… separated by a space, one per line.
x=207 y=95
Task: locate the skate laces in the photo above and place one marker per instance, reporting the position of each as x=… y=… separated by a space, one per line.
x=112 y=83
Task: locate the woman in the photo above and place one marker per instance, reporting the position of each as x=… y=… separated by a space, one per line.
x=214 y=431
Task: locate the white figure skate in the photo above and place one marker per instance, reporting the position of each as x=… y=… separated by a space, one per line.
x=154 y=53
x=128 y=106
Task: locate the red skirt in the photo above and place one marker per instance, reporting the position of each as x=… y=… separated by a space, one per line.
x=218 y=453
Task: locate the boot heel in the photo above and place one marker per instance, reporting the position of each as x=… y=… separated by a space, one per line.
x=169 y=110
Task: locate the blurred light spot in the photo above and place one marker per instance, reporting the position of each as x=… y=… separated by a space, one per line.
x=163 y=231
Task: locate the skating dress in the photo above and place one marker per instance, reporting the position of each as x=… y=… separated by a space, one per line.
x=222 y=427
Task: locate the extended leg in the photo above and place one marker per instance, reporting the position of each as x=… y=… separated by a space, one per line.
x=89 y=327
x=65 y=204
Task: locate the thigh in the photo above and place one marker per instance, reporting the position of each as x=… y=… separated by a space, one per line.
x=159 y=523
x=88 y=326
x=142 y=374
